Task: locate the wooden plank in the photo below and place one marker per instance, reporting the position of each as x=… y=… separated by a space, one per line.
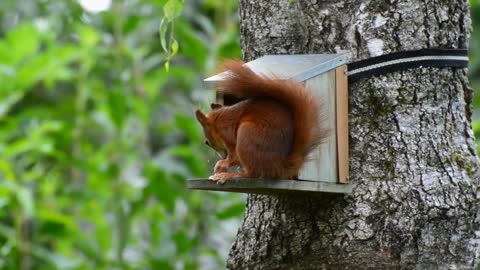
x=342 y=123
x=267 y=186
x=322 y=162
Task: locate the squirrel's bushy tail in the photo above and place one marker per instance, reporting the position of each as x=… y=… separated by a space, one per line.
x=242 y=82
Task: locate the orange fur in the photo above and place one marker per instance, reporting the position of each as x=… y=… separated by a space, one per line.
x=269 y=133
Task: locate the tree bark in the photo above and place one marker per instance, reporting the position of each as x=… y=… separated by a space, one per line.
x=413 y=162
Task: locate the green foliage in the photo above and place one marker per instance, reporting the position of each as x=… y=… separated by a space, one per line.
x=97 y=135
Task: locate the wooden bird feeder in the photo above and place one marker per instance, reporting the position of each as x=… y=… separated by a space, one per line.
x=328 y=167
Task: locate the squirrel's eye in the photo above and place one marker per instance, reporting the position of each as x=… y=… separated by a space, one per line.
x=207 y=143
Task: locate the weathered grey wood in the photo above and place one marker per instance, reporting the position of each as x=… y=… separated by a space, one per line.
x=266 y=186
x=322 y=162
x=413 y=166
x=288 y=67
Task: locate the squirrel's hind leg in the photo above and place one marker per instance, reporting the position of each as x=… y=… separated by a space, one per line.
x=262 y=150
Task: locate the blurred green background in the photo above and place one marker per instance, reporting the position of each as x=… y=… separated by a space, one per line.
x=97 y=133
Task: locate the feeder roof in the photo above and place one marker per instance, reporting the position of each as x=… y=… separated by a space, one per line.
x=290 y=67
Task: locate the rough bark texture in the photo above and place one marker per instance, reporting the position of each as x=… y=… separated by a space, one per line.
x=413 y=162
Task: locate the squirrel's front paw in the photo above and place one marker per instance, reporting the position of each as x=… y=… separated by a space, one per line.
x=220 y=178
x=220 y=166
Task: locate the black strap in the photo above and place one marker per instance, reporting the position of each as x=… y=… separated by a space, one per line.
x=406 y=60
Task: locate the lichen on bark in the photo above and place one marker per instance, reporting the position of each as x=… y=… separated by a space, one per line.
x=413 y=162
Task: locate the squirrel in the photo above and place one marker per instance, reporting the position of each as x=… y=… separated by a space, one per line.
x=269 y=133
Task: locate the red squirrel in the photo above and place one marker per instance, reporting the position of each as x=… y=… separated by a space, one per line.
x=269 y=133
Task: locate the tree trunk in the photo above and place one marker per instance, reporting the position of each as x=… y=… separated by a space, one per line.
x=413 y=163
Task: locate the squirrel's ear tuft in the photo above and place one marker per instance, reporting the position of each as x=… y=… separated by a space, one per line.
x=201 y=117
x=215 y=106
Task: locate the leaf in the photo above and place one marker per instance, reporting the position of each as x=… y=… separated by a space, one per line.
x=167 y=65
x=132 y=23
x=55 y=222
x=24 y=41
x=183 y=241
x=193 y=45
x=50 y=66
x=174 y=47
x=117 y=107
x=6 y=170
x=88 y=36
x=160 y=185
x=172 y=9
x=163 y=35
x=8 y=102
